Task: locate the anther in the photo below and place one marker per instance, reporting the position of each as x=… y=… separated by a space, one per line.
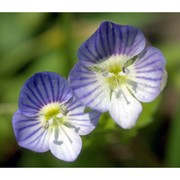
x=124 y=69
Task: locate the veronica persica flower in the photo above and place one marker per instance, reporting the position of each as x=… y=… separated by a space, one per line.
x=116 y=70
x=50 y=118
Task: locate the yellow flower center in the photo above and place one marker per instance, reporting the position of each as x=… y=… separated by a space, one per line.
x=115 y=80
x=52 y=114
x=113 y=71
x=114 y=68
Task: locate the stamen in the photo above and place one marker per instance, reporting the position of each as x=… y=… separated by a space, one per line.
x=124 y=69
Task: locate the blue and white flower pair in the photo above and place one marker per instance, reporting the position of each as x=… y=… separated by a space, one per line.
x=115 y=71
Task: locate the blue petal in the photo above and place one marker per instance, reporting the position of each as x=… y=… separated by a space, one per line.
x=74 y=106
x=111 y=39
x=41 y=89
x=89 y=89
x=83 y=123
x=147 y=75
x=29 y=133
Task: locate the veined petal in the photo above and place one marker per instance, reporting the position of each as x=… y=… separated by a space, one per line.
x=41 y=89
x=124 y=108
x=145 y=77
x=65 y=143
x=83 y=123
x=29 y=133
x=111 y=39
x=89 y=89
x=74 y=106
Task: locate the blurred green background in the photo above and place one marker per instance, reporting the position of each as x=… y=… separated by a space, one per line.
x=33 y=42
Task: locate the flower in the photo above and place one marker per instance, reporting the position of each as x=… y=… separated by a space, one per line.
x=49 y=117
x=116 y=70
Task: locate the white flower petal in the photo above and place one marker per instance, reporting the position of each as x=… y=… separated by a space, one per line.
x=124 y=108
x=65 y=143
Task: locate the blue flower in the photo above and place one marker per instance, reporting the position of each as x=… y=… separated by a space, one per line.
x=116 y=70
x=50 y=118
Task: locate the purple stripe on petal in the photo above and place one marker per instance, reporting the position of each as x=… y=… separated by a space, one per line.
x=78 y=86
x=150 y=79
x=120 y=45
x=142 y=84
x=102 y=44
x=28 y=126
x=83 y=78
x=74 y=107
x=44 y=140
x=136 y=46
x=31 y=134
x=146 y=58
x=33 y=109
x=77 y=114
x=110 y=38
x=126 y=40
x=51 y=87
x=36 y=87
x=106 y=37
x=85 y=71
x=145 y=89
x=91 y=59
x=58 y=90
x=44 y=86
x=150 y=57
x=90 y=92
x=113 y=41
x=66 y=95
x=23 y=121
x=32 y=102
x=37 y=138
x=63 y=89
x=148 y=64
x=90 y=52
x=149 y=71
x=36 y=97
x=97 y=47
x=83 y=123
x=93 y=99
